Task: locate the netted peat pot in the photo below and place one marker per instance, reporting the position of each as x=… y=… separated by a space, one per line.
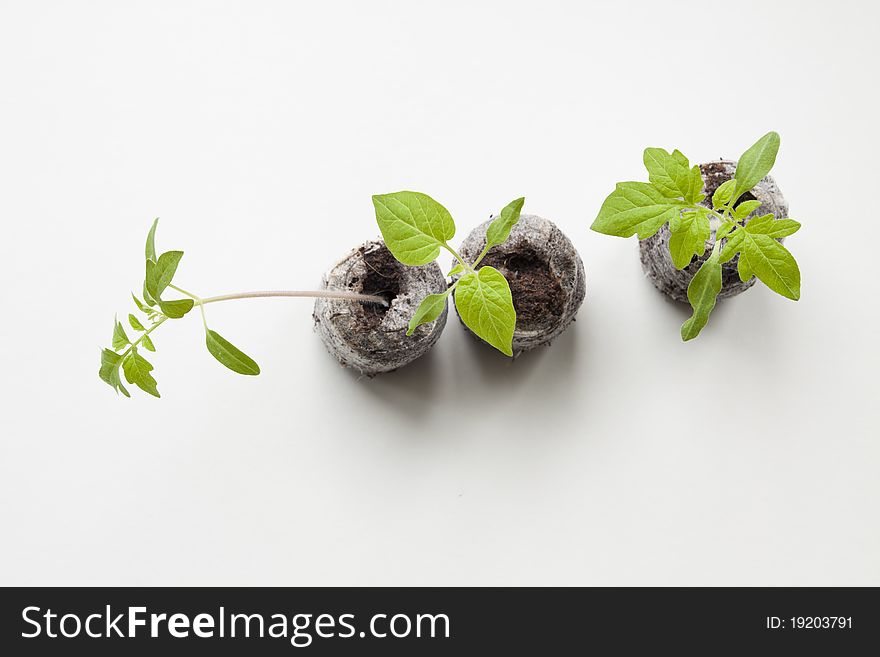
x=545 y=274
x=368 y=337
x=654 y=251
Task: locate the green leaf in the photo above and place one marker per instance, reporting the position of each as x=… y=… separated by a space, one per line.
x=485 y=305
x=744 y=209
x=429 y=309
x=137 y=372
x=733 y=245
x=724 y=193
x=635 y=208
x=724 y=230
x=763 y=256
x=756 y=162
x=135 y=323
x=688 y=235
x=230 y=355
x=150 y=248
x=456 y=270
x=499 y=230
x=176 y=308
x=413 y=225
x=702 y=293
x=147 y=343
x=109 y=371
x=147 y=296
x=160 y=275
x=669 y=173
x=766 y=225
x=141 y=305
x=120 y=339
x=695 y=189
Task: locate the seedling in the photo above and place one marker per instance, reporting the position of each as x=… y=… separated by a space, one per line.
x=415 y=228
x=127 y=353
x=674 y=194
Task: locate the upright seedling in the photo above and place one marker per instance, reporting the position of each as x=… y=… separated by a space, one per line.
x=674 y=195
x=415 y=228
x=126 y=353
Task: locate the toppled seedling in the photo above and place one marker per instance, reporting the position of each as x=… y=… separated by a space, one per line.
x=415 y=228
x=674 y=196
x=126 y=353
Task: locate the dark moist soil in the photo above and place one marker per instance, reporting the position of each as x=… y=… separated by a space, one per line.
x=382 y=279
x=535 y=289
x=714 y=175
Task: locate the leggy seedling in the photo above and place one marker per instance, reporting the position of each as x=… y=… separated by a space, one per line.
x=674 y=194
x=126 y=353
x=415 y=228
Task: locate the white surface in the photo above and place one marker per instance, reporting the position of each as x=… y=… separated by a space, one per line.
x=258 y=132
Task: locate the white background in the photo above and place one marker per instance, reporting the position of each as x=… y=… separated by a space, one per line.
x=257 y=131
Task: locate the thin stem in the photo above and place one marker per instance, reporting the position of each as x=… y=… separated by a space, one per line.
x=466 y=266
x=314 y=294
x=142 y=336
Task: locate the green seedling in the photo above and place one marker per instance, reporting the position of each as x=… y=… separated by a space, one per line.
x=126 y=357
x=415 y=228
x=673 y=195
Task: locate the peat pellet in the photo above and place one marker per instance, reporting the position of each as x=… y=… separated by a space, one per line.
x=545 y=274
x=654 y=251
x=368 y=337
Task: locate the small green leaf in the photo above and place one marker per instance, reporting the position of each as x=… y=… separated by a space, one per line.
x=109 y=371
x=635 y=208
x=176 y=308
x=772 y=263
x=160 y=275
x=150 y=248
x=688 y=235
x=141 y=305
x=724 y=193
x=669 y=173
x=486 y=307
x=499 y=230
x=135 y=323
x=147 y=342
x=431 y=307
x=147 y=296
x=756 y=162
x=230 y=355
x=413 y=225
x=724 y=230
x=695 y=186
x=455 y=270
x=744 y=209
x=733 y=245
x=766 y=225
x=702 y=293
x=137 y=372
x=120 y=339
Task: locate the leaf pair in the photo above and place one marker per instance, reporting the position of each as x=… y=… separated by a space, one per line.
x=674 y=195
x=415 y=227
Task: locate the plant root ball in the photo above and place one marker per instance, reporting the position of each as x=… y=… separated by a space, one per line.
x=654 y=251
x=368 y=337
x=545 y=273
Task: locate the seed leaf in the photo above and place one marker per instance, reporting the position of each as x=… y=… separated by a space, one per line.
x=431 y=307
x=485 y=305
x=135 y=323
x=702 y=293
x=689 y=233
x=150 y=248
x=137 y=372
x=413 y=225
x=635 y=208
x=499 y=230
x=229 y=355
x=120 y=339
x=756 y=162
x=176 y=308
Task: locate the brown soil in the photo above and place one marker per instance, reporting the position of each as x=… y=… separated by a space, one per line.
x=382 y=279
x=536 y=290
x=714 y=174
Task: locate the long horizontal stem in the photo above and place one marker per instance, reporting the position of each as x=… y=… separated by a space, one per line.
x=315 y=294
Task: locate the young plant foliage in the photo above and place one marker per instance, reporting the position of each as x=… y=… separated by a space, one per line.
x=673 y=196
x=415 y=228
